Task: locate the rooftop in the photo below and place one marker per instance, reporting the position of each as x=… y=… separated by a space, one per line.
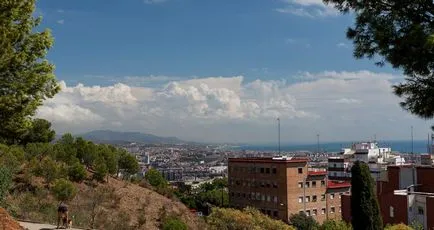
x=270 y=159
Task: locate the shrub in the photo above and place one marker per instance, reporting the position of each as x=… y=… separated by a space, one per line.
x=64 y=190
x=303 y=222
x=5 y=182
x=77 y=172
x=335 y=225
x=173 y=223
x=398 y=227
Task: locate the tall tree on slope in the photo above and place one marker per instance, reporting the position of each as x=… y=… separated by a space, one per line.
x=400 y=32
x=26 y=77
x=365 y=211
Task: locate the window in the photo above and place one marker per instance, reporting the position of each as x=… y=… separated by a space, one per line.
x=274 y=184
x=340 y=208
x=313 y=184
x=314 y=212
x=391 y=211
x=332 y=210
x=323 y=197
x=340 y=195
x=300 y=199
x=307 y=212
x=244 y=195
x=267 y=170
x=334 y=165
x=275 y=214
x=307 y=199
x=420 y=210
x=307 y=184
x=322 y=183
x=263 y=197
x=268 y=198
x=300 y=184
x=262 y=184
x=274 y=170
x=332 y=196
x=313 y=198
x=300 y=170
x=301 y=212
x=275 y=199
x=269 y=212
x=267 y=184
x=262 y=170
x=323 y=211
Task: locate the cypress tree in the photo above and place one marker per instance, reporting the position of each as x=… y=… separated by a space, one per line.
x=365 y=210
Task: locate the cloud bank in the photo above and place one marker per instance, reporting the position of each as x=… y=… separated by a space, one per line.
x=340 y=105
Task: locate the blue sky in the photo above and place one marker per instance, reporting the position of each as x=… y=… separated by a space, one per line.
x=216 y=67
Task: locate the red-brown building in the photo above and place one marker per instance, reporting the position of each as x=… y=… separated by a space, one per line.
x=283 y=186
x=401 y=200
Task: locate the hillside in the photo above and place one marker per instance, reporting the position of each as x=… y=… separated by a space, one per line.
x=114 y=137
x=115 y=204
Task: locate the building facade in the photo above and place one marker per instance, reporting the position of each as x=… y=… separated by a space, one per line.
x=283 y=186
x=401 y=199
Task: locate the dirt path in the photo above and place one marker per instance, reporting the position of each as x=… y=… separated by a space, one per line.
x=33 y=226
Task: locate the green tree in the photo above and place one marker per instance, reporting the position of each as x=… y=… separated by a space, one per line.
x=173 y=223
x=365 y=210
x=398 y=227
x=155 y=178
x=5 y=182
x=64 y=190
x=40 y=131
x=50 y=170
x=128 y=164
x=303 y=222
x=26 y=76
x=11 y=157
x=335 y=225
x=401 y=33
x=77 y=172
x=100 y=170
x=38 y=150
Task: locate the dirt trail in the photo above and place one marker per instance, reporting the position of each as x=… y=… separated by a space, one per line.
x=33 y=226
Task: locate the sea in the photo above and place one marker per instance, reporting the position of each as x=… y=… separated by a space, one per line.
x=397 y=146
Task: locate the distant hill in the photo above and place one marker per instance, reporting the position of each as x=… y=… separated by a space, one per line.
x=114 y=137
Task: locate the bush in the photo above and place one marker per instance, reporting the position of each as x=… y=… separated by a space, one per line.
x=173 y=223
x=155 y=178
x=77 y=172
x=64 y=190
x=100 y=170
x=398 y=227
x=335 y=225
x=5 y=182
x=303 y=222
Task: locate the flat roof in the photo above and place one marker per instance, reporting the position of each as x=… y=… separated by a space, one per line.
x=269 y=160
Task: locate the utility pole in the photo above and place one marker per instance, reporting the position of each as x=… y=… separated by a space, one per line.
x=278 y=133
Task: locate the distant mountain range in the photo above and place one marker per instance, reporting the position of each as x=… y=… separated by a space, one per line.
x=114 y=137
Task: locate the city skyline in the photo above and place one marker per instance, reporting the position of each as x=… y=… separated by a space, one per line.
x=223 y=71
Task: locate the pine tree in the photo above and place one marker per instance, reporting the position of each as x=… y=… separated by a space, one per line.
x=365 y=210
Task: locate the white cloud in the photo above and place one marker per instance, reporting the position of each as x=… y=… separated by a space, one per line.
x=61 y=21
x=345 y=105
x=307 y=8
x=342 y=45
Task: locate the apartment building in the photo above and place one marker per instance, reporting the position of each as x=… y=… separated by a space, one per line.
x=282 y=186
x=401 y=199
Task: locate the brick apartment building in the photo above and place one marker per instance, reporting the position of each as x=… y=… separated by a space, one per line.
x=399 y=200
x=283 y=186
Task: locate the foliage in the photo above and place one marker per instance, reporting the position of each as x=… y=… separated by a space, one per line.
x=155 y=178
x=173 y=223
x=64 y=190
x=303 y=222
x=5 y=182
x=128 y=163
x=39 y=132
x=77 y=172
x=365 y=210
x=249 y=218
x=27 y=77
x=402 y=33
x=11 y=157
x=335 y=225
x=398 y=227
x=50 y=170
x=100 y=170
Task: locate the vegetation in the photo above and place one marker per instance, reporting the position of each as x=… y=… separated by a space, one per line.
x=64 y=190
x=402 y=34
x=5 y=182
x=365 y=210
x=398 y=227
x=335 y=225
x=303 y=222
x=173 y=223
x=249 y=218
x=27 y=77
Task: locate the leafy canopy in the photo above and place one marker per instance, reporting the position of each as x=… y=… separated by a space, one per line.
x=402 y=34
x=64 y=190
x=303 y=222
x=26 y=76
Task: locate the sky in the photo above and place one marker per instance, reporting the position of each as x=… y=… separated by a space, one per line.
x=218 y=71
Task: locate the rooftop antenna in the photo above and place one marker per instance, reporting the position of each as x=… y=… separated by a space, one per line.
x=278 y=133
